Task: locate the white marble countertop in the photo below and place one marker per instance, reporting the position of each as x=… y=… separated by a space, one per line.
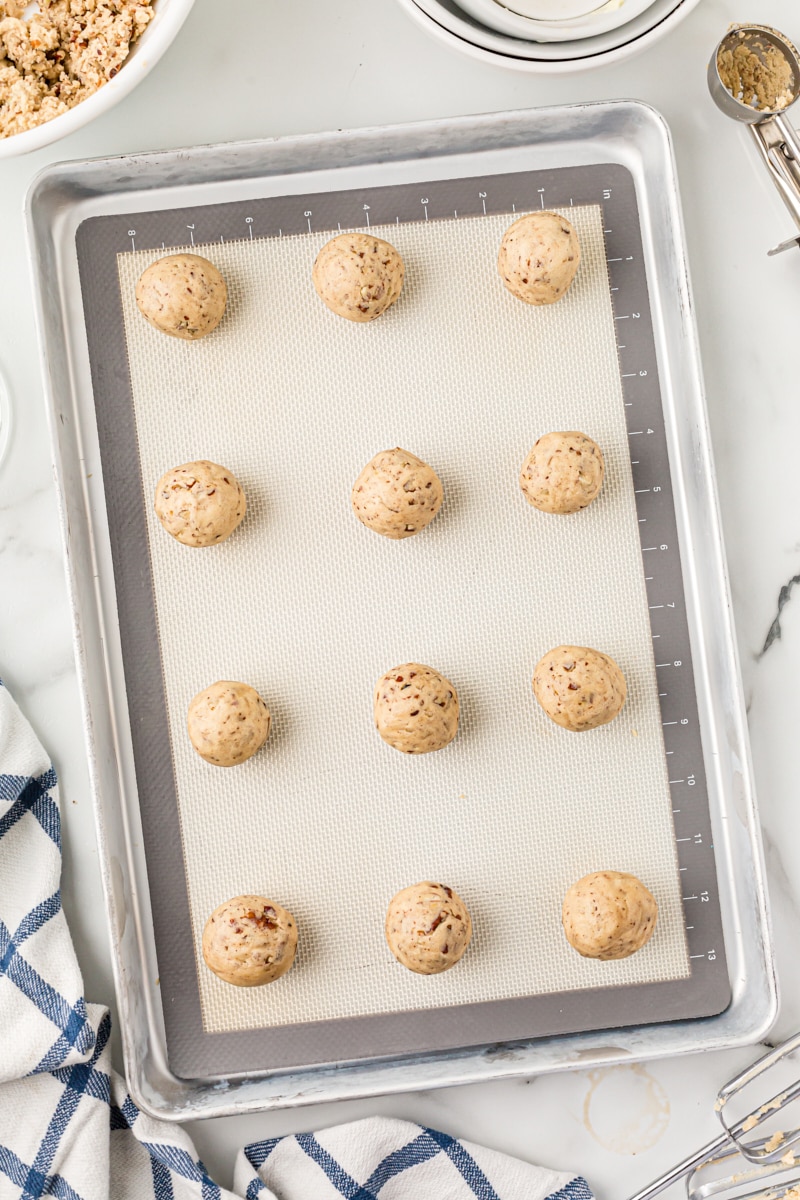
x=311 y=65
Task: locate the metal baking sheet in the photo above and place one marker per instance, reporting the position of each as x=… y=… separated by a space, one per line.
x=456 y=188
x=283 y=822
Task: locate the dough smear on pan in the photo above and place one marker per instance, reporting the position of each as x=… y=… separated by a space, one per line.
x=563 y=472
x=608 y=915
x=358 y=276
x=416 y=709
x=397 y=494
x=200 y=503
x=579 y=688
x=248 y=941
x=428 y=928
x=539 y=257
x=182 y=295
x=228 y=723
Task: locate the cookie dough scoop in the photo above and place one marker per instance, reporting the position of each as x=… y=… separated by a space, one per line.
x=228 y=723
x=539 y=257
x=416 y=709
x=397 y=494
x=754 y=77
x=579 y=688
x=428 y=928
x=358 y=276
x=249 y=941
x=182 y=295
x=563 y=473
x=200 y=503
x=608 y=915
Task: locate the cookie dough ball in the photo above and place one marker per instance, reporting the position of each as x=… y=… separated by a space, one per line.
x=397 y=494
x=428 y=928
x=182 y=295
x=563 y=472
x=608 y=915
x=228 y=723
x=538 y=258
x=416 y=709
x=579 y=688
x=358 y=276
x=248 y=941
x=200 y=503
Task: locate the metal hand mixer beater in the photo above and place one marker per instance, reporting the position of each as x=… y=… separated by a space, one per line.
x=754 y=1155
x=778 y=143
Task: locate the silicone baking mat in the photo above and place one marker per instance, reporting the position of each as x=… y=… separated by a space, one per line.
x=311 y=608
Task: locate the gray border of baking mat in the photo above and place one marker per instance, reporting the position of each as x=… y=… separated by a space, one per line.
x=191 y=1051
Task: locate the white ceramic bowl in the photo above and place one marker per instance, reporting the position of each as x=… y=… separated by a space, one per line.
x=168 y=17
x=509 y=19
x=448 y=15
x=443 y=20
x=556 y=10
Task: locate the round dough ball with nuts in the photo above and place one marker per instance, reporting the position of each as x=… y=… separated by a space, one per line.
x=563 y=472
x=358 y=276
x=397 y=494
x=428 y=928
x=182 y=295
x=200 y=503
x=608 y=914
x=228 y=723
x=579 y=688
x=249 y=941
x=416 y=709
x=539 y=257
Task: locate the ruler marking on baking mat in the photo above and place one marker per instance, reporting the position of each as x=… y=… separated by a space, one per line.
x=193 y=1051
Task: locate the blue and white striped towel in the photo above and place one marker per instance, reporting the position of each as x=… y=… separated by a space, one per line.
x=68 y=1127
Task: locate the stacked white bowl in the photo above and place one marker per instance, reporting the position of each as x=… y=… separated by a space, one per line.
x=548 y=35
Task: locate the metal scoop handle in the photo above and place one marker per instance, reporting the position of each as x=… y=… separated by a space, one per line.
x=778 y=144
